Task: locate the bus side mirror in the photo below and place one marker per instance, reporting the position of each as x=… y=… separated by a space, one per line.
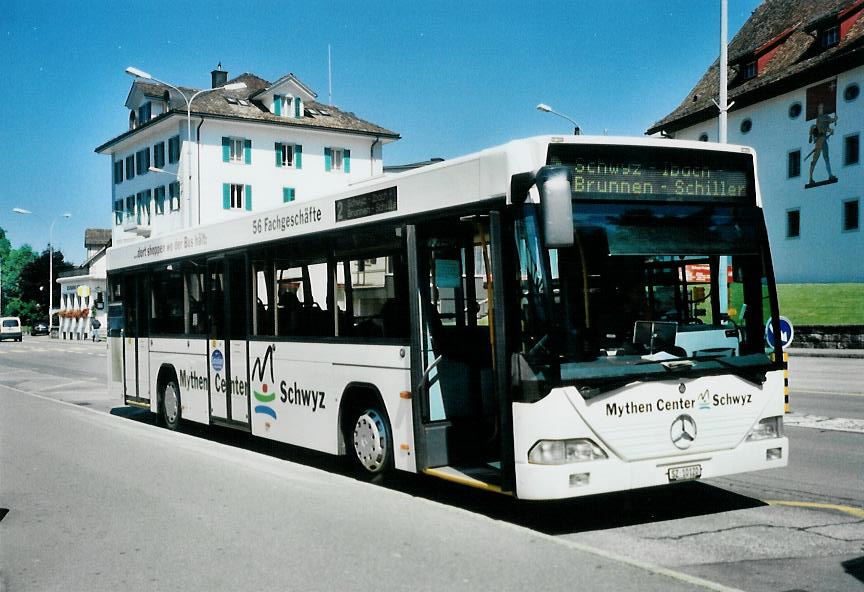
x=556 y=206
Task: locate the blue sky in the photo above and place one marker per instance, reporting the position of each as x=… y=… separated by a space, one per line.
x=450 y=77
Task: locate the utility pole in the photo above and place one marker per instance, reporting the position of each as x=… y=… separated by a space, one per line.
x=722 y=135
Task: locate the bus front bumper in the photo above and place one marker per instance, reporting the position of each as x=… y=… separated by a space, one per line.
x=534 y=481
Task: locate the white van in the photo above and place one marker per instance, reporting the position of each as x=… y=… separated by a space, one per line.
x=10 y=328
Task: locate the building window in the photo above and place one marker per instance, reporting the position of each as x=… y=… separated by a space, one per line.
x=236 y=196
x=703 y=137
x=793 y=164
x=142 y=161
x=174 y=149
x=851 y=215
x=118 y=171
x=118 y=212
x=287 y=194
x=174 y=196
x=337 y=159
x=144 y=113
x=130 y=207
x=144 y=207
x=746 y=126
x=793 y=223
x=236 y=154
x=237 y=150
x=750 y=70
x=794 y=110
x=284 y=155
x=159 y=155
x=851 y=92
x=159 y=200
x=130 y=167
x=831 y=36
x=851 y=144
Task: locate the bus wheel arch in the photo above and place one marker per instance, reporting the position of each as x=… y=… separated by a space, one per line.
x=366 y=434
x=168 y=391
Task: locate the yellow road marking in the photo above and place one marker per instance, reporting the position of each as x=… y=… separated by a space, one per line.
x=463 y=480
x=857 y=512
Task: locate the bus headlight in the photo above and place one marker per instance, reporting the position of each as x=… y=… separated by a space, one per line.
x=562 y=452
x=770 y=427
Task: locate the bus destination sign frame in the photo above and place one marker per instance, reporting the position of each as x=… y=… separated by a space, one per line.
x=366 y=204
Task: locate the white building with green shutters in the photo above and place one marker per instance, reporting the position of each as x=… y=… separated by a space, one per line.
x=251 y=150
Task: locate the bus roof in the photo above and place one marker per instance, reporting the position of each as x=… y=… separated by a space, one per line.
x=473 y=178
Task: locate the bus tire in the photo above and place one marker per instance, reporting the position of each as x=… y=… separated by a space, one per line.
x=169 y=405
x=370 y=441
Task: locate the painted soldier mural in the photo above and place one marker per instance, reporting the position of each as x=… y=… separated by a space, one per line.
x=821 y=112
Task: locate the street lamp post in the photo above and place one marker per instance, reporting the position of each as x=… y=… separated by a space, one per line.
x=67 y=215
x=547 y=109
x=135 y=72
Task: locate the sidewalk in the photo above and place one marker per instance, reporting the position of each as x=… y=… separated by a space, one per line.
x=825 y=353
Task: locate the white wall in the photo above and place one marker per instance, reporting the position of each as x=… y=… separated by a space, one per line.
x=823 y=253
x=266 y=179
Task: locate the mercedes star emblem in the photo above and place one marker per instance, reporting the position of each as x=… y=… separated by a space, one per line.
x=683 y=431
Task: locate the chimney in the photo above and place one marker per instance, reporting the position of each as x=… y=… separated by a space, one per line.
x=218 y=77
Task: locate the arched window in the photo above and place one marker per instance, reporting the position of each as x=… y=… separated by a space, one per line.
x=133 y=120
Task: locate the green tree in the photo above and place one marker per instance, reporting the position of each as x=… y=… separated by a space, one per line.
x=33 y=282
x=12 y=261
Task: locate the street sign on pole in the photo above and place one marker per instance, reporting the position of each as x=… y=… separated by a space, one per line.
x=787 y=332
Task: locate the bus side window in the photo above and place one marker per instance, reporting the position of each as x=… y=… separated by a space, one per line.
x=371 y=293
x=262 y=289
x=195 y=310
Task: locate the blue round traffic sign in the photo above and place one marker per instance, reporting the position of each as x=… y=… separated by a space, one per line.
x=787 y=332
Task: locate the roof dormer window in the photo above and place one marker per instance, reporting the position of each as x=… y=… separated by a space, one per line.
x=830 y=36
x=287 y=106
x=144 y=113
x=750 y=70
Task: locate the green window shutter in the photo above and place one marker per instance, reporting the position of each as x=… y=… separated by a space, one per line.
x=328 y=158
x=247 y=151
x=226 y=196
x=278 y=154
x=298 y=156
x=297 y=107
x=248 y=192
x=287 y=194
x=226 y=149
x=346 y=160
x=277 y=104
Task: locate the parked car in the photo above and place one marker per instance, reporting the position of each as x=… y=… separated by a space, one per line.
x=10 y=328
x=39 y=329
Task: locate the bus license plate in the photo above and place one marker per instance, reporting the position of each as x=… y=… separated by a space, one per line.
x=685 y=473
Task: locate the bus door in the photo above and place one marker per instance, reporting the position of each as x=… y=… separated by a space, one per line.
x=136 y=351
x=459 y=400
x=227 y=301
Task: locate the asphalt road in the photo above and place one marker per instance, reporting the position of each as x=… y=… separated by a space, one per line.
x=235 y=508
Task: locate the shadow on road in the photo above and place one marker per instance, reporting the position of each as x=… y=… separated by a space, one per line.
x=596 y=512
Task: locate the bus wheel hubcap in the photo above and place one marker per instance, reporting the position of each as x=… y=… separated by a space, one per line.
x=370 y=440
x=170 y=403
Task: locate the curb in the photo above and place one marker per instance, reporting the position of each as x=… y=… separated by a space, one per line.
x=802 y=352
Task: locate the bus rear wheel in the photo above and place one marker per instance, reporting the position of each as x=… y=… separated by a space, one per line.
x=170 y=407
x=372 y=442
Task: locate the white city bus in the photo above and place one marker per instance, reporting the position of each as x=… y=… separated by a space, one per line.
x=541 y=318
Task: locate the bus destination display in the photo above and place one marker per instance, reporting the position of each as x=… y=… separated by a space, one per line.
x=606 y=178
x=367 y=204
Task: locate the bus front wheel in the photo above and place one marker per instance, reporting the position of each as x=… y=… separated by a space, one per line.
x=171 y=405
x=372 y=442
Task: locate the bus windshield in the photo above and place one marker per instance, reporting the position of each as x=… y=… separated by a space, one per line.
x=641 y=284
